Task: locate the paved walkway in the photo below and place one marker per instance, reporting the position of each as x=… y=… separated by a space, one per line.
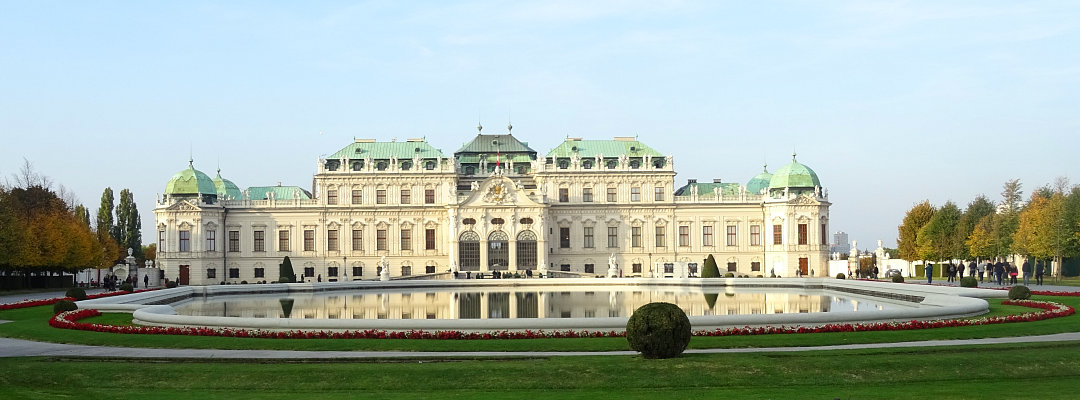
x=26 y=348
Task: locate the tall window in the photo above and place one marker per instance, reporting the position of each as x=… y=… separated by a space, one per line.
x=234 y=241
x=406 y=196
x=429 y=196
x=380 y=239
x=824 y=236
x=635 y=268
x=706 y=235
x=777 y=234
x=161 y=241
x=732 y=267
x=564 y=238
x=331 y=196
x=732 y=235
x=635 y=193
x=755 y=235
x=526 y=250
x=357 y=240
x=635 y=236
x=357 y=196
x=406 y=270
x=613 y=236
x=755 y=265
x=586 y=195
x=588 y=237
x=564 y=195
x=380 y=196
x=429 y=239
x=257 y=241
x=185 y=240
x=469 y=251
x=661 y=239
x=309 y=240
x=658 y=193
x=803 y=234
x=684 y=235
x=589 y=268
x=612 y=194
x=211 y=240
x=406 y=239
x=332 y=240
x=283 y=241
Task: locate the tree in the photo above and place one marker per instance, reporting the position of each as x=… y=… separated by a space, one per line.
x=981 y=243
x=128 y=224
x=82 y=215
x=710 y=270
x=975 y=211
x=105 y=214
x=1008 y=218
x=914 y=220
x=150 y=252
x=937 y=240
x=285 y=273
x=1047 y=227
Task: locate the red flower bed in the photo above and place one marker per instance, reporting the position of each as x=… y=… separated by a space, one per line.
x=69 y=320
x=47 y=302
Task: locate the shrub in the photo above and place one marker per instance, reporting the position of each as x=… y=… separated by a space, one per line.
x=658 y=330
x=64 y=305
x=969 y=281
x=76 y=293
x=285 y=271
x=729 y=275
x=840 y=275
x=127 y=287
x=243 y=282
x=710 y=270
x=898 y=278
x=1019 y=292
x=171 y=284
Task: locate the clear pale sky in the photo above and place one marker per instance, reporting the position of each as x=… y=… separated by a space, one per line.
x=891 y=102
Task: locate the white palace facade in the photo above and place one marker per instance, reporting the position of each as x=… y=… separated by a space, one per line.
x=494 y=205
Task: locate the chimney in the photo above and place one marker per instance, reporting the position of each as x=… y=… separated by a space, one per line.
x=689 y=181
x=717 y=180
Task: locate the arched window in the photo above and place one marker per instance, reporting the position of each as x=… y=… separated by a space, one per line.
x=498 y=251
x=526 y=250
x=469 y=251
x=429 y=165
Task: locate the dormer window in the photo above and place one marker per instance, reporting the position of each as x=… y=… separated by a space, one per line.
x=381 y=165
x=564 y=164
x=405 y=165
x=429 y=165
x=468 y=221
x=587 y=164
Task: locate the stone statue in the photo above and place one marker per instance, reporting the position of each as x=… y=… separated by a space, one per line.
x=385 y=274
x=612 y=267
x=474 y=185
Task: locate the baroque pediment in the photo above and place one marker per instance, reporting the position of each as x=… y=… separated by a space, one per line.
x=804 y=201
x=498 y=191
x=183 y=205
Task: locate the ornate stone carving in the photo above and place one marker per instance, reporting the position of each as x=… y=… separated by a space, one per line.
x=499 y=193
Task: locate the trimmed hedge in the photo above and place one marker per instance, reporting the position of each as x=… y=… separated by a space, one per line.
x=76 y=293
x=840 y=275
x=710 y=270
x=1019 y=292
x=898 y=278
x=127 y=287
x=969 y=281
x=658 y=330
x=64 y=305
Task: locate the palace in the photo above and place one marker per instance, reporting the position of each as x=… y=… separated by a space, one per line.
x=494 y=205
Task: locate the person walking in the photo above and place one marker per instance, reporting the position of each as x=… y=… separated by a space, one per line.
x=999 y=272
x=146 y=281
x=929 y=273
x=1039 y=272
x=973 y=268
x=960 y=270
x=982 y=270
x=951 y=271
x=1012 y=274
x=1026 y=269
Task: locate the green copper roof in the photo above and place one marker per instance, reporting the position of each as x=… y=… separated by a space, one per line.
x=190 y=181
x=226 y=189
x=385 y=150
x=706 y=189
x=602 y=148
x=280 y=192
x=495 y=143
x=759 y=182
x=794 y=175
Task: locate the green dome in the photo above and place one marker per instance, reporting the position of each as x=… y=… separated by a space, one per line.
x=794 y=175
x=190 y=182
x=759 y=182
x=226 y=189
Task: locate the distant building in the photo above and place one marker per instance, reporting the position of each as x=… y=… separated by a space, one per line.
x=840 y=243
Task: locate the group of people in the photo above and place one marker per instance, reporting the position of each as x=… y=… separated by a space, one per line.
x=997 y=271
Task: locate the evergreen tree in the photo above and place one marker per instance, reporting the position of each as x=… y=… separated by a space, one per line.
x=710 y=270
x=285 y=274
x=105 y=214
x=1008 y=218
x=128 y=224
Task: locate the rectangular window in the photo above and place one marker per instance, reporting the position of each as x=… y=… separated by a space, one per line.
x=803 y=234
x=331 y=197
x=380 y=196
x=211 y=273
x=429 y=196
x=380 y=239
x=732 y=235
x=332 y=240
x=612 y=194
x=211 y=240
x=406 y=196
x=755 y=266
x=309 y=240
x=635 y=236
x=755 y=235
x=824 y=236
x=429 y=239
x=234 y=241
x=661 y=239
x=732 y=267
x=260 y=272
x=283 y=241
x=357 y=272
x=658 y=193
x=586 y=195
x=706 y=235
x=588 y=268
x=406 y=270
x=564 y=195
x=257 y=241
x=635 y=268
x=161 y=241
x=309 y=272
x=564 y=267
x=669 y=268
x=185 y=240
x=588 y=237
x=357 y=240
x=331 y=271
x=777 y=234
x=684 y=235
x=406 y=239
x=635 y=193
x=613 y=236
x=357 y=196
x=429 y=269
x=564 y=238
x=234 y=273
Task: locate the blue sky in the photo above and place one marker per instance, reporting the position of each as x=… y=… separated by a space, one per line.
x=891 y=102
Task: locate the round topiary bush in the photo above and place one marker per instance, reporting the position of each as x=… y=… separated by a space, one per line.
x=64 y=305
x=658 y=330
x=171 y=284
x=898 y=278
x=729 y=275
x=127 y=287
x=1019 y=292
x=840 y=275
x=76 y=293
x=969 y=281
